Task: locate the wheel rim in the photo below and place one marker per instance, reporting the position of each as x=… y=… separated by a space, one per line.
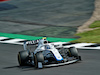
x=19 y=59
x=69 y=53
x=36 y=62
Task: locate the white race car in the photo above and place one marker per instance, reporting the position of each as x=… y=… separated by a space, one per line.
x=45 y=54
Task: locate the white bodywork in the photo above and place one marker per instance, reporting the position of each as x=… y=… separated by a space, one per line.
x=50 y=47
x=44 y=45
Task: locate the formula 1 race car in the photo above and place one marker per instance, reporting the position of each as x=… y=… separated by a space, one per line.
x=45 y=54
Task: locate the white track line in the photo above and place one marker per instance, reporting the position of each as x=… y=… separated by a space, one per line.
x=91 y=48
x=13 y=41
x=78 y=45
x=1 y=38
x=82 y=46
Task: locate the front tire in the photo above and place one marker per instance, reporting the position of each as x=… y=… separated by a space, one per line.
x=23 y=57
x=38 y=60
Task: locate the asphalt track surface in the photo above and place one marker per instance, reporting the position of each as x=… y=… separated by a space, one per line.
x=90 y=64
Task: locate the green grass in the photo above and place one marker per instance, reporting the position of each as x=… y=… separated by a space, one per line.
x=95 y=24
x=92 y=36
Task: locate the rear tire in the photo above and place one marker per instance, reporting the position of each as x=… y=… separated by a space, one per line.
x=73 y=52
x=23 y=57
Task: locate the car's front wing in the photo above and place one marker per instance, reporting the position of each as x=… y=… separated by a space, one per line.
x=60 y=64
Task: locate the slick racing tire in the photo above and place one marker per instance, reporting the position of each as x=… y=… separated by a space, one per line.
x=38 y=60
x=23 y=57
x=73 y=52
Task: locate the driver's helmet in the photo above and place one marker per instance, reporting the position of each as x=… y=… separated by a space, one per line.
x=44 y=38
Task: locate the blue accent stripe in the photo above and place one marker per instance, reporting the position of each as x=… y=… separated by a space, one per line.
x=58 y=59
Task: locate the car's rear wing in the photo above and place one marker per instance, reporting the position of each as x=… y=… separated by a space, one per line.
x=32 y=42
